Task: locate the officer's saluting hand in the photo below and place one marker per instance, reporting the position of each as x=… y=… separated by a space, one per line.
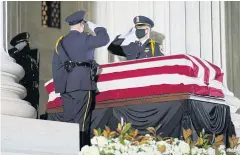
x=101 y=38
x=74 y=70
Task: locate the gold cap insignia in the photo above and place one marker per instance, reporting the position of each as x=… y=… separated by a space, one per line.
x=137 y=19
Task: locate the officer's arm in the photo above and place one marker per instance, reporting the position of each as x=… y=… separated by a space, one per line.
x=101 y=38
x=122 y=41
x=115 y=46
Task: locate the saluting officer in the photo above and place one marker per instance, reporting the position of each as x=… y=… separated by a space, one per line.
x=74 y=70
x=136 y=43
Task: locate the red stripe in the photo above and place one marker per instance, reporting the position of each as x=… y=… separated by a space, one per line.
x=219 y=75
x=206 y=70
x=50 y=87
x=157 y=90
x=220 y=78
x=216 y=92
x=57 y=102
x=147 y=91
x=180 y=56
x=181 y=70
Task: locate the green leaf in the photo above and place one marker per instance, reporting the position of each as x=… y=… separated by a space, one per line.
x=217 y=152
x=99 y=131
x=158 y=127
x=108 y=154
x=126 y=128
x=122 y=141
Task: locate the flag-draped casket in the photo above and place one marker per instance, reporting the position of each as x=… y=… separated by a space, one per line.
x=153 y=77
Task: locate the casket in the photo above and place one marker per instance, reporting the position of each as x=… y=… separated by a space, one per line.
x=156 y=77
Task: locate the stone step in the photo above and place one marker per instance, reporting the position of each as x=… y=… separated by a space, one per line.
x=25 y=136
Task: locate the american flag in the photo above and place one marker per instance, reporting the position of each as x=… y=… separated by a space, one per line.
x=153 y=76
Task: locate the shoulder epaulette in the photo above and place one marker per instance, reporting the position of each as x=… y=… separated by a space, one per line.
x=59 y=39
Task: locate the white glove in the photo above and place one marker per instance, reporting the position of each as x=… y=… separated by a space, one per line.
x=92 y=26
x=20 y=46
x=124 y=35
x=130 y=37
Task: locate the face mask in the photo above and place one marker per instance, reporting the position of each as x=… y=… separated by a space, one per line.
x=140 y=33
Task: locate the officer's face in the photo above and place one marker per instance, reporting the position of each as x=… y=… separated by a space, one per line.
x=147 y=28
x=82 y=26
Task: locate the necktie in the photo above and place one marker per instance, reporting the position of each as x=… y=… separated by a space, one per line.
x=139 y=50
x=140 y=44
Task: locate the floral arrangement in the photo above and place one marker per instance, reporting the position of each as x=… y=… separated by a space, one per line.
x=126 y=141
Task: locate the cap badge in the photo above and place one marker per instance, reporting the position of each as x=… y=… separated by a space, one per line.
x=137 y=19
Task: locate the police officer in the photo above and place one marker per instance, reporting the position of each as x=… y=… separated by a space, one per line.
x=136 y=43
x=24 y=56
x=74 y=71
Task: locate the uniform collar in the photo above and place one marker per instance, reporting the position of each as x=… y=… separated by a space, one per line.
x=74 y=30
x=145 y=41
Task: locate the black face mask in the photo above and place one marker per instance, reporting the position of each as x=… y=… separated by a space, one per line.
x=140 y=33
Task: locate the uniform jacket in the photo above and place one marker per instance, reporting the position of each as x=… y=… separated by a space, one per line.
x=133 y=50
x=78 y=47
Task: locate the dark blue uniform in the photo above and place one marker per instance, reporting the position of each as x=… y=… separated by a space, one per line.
x=135 y=49
x=28 y=59
x=77 y=87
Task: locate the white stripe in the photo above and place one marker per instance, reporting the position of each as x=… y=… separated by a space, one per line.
x=53 y=96
x=47 y=83
x=152 y=64
x=148 y=81
x=200 y=67
x=216 y=84
x=212 y=73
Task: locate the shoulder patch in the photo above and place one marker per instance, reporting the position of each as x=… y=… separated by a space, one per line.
x=161 y=48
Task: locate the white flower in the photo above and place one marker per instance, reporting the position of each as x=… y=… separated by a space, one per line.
x=194 y=151
x=222 y=147
x=92 y=150
x=99 y=141
x=211 y=151
x=184 y=147
x=178 y=147
x=198 y=151
x=231 y=150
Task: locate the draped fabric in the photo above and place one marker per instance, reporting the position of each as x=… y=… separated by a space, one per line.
x=164 y=75
x=168 y=118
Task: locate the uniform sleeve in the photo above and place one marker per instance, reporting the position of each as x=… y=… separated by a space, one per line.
x=158 y=50
x=121 y=42
x=115 y=46
x=101 y=38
